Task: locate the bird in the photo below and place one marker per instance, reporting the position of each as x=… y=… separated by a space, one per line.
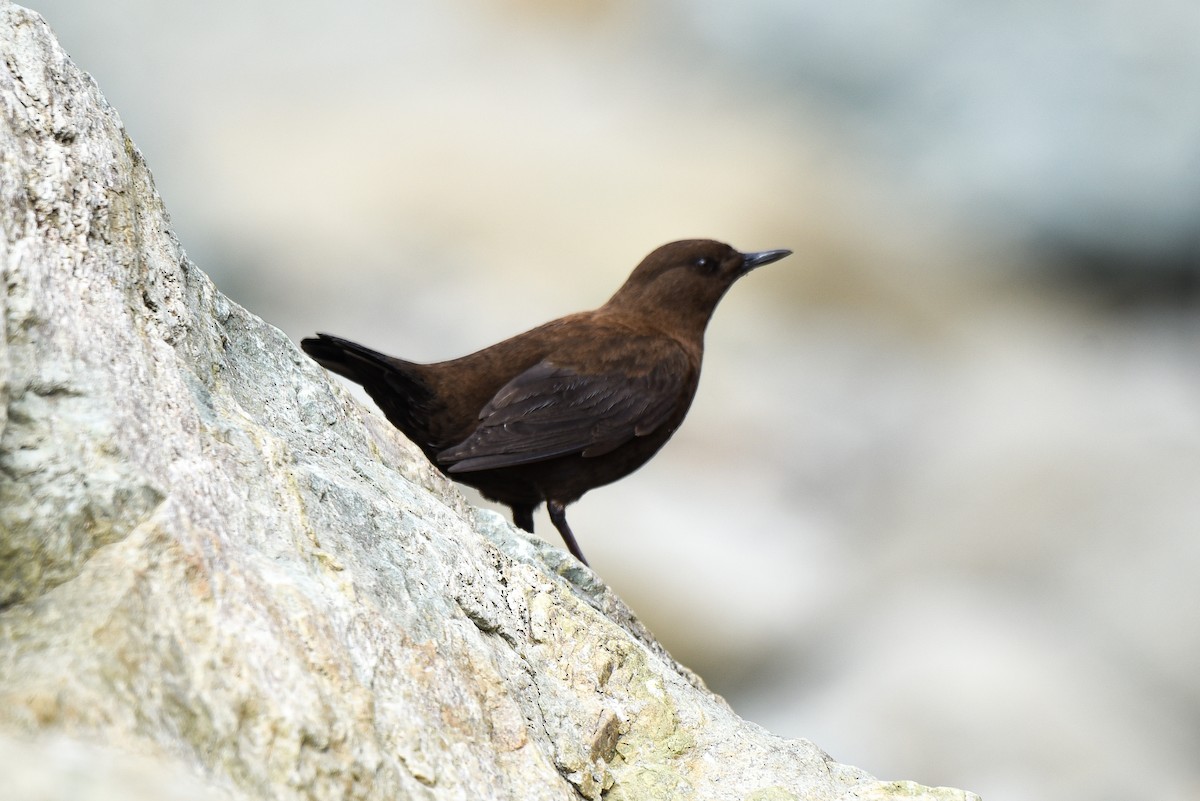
x=574 y=404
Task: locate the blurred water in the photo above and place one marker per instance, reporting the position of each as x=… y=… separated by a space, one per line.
x=1071 y=120
x=935 y=505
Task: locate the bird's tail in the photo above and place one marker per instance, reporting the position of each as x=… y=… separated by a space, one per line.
x=397 y=386
x=346 y=358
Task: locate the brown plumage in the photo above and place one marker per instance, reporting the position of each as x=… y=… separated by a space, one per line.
x=570 y=405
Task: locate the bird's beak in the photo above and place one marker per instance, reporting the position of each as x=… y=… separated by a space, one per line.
x=752 y=260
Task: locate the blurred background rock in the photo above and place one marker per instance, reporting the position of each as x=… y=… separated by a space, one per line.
x=937 y=504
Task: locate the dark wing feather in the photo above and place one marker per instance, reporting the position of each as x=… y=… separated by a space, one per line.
x=550 y=411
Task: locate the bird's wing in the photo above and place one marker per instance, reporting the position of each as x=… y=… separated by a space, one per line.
x=550 y=411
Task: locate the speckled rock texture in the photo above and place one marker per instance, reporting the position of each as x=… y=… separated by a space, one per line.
x=217 y=565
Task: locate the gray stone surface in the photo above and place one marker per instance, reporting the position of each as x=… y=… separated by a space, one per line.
x=214 y=561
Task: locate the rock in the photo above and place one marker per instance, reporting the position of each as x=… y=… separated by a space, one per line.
x=58 y=768
x=216 y=563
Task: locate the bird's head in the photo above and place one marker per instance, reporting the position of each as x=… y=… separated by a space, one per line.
x=679 y=284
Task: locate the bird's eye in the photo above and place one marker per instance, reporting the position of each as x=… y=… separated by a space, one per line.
x=705 y=264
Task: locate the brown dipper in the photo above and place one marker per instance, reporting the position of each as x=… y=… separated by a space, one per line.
x=573 y=404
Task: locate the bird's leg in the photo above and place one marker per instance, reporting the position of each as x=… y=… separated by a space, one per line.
x=558 y=516
x=523 y=517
